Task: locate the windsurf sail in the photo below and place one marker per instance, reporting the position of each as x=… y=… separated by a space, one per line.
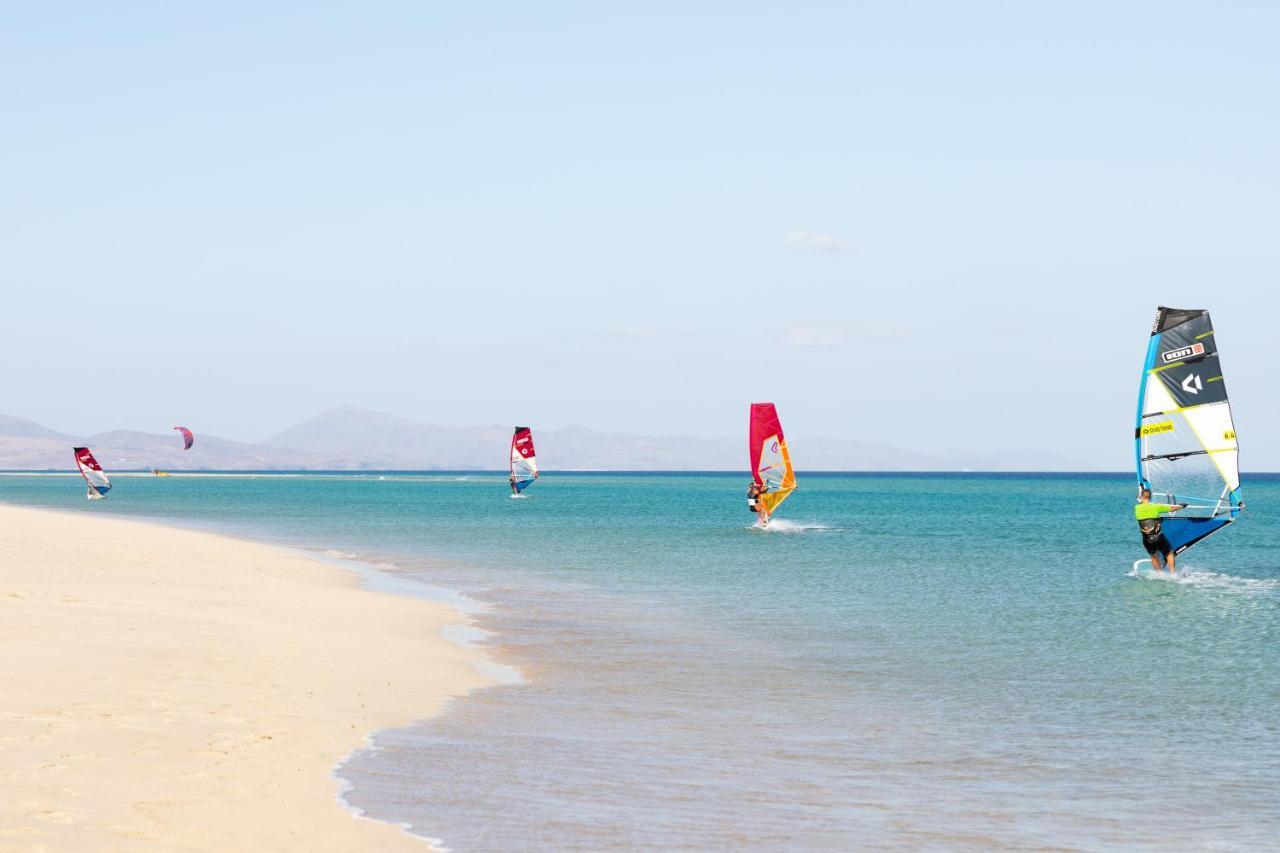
x=93 y=474
x=770 y=459
x=1186 y=439
x=524 y=463
x=188 y=437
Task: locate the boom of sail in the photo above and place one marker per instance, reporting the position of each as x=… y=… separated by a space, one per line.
x=524 y=462
x=770 y=459
x=95 y=478
x=1186 y=440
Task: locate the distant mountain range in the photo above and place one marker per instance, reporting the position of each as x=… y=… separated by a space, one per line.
x=350 y=438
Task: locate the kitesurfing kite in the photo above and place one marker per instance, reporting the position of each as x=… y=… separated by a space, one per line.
x=1185 y=437
x=770 y=461
x=188 y=437
x=524 y=463
x=94 y=477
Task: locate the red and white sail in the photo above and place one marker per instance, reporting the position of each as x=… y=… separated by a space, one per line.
x=524 y=461
x=93 y=474
x=188 y=437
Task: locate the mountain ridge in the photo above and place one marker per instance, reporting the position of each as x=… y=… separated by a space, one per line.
x=350 y=438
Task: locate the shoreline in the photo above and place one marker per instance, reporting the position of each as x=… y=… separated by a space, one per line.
x=180 y=689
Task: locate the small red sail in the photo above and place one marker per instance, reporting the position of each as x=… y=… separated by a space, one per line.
x=188 y=437
x=93 y=474
x=524 y=462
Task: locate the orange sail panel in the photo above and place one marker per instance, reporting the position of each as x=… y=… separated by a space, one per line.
x=770 y=459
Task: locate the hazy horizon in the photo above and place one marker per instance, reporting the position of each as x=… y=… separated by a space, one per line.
x=938 y=227
x=814 y=453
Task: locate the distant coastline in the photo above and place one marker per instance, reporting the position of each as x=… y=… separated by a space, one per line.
x=348 y=438
x=594 y=472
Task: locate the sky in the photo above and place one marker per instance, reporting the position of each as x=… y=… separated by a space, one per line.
x=937 y=225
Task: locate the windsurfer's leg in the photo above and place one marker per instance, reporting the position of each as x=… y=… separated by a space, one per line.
x=1153 y=551
x=1169 y=561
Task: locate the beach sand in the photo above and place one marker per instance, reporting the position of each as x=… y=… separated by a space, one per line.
x=164 y=689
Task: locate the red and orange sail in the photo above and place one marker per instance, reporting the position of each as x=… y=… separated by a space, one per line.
x=770 y=459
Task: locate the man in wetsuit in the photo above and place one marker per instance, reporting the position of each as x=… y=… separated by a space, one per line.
x=1148 y=515
x=755 y=493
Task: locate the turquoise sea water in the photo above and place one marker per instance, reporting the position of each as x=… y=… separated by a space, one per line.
x=939 y=661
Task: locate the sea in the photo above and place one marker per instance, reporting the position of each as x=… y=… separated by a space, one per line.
x=954 y=661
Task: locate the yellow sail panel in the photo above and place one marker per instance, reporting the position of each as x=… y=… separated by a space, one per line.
x=781 y=488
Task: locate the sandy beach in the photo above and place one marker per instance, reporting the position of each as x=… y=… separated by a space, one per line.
x=165 y=689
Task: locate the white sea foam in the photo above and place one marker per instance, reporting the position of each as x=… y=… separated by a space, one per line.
x=1196 y=578
x=345 y=787
x=784 y=525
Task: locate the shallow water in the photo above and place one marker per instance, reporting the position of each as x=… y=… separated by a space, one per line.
x=948 y=661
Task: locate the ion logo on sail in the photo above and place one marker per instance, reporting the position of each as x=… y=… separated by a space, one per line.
x=1184 y=352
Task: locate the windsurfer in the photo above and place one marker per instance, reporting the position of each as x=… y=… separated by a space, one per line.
x=1153 y=539
x=755 y=493
x=524 y=464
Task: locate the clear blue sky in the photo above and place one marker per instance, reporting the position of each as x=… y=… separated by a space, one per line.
x=932 y=224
